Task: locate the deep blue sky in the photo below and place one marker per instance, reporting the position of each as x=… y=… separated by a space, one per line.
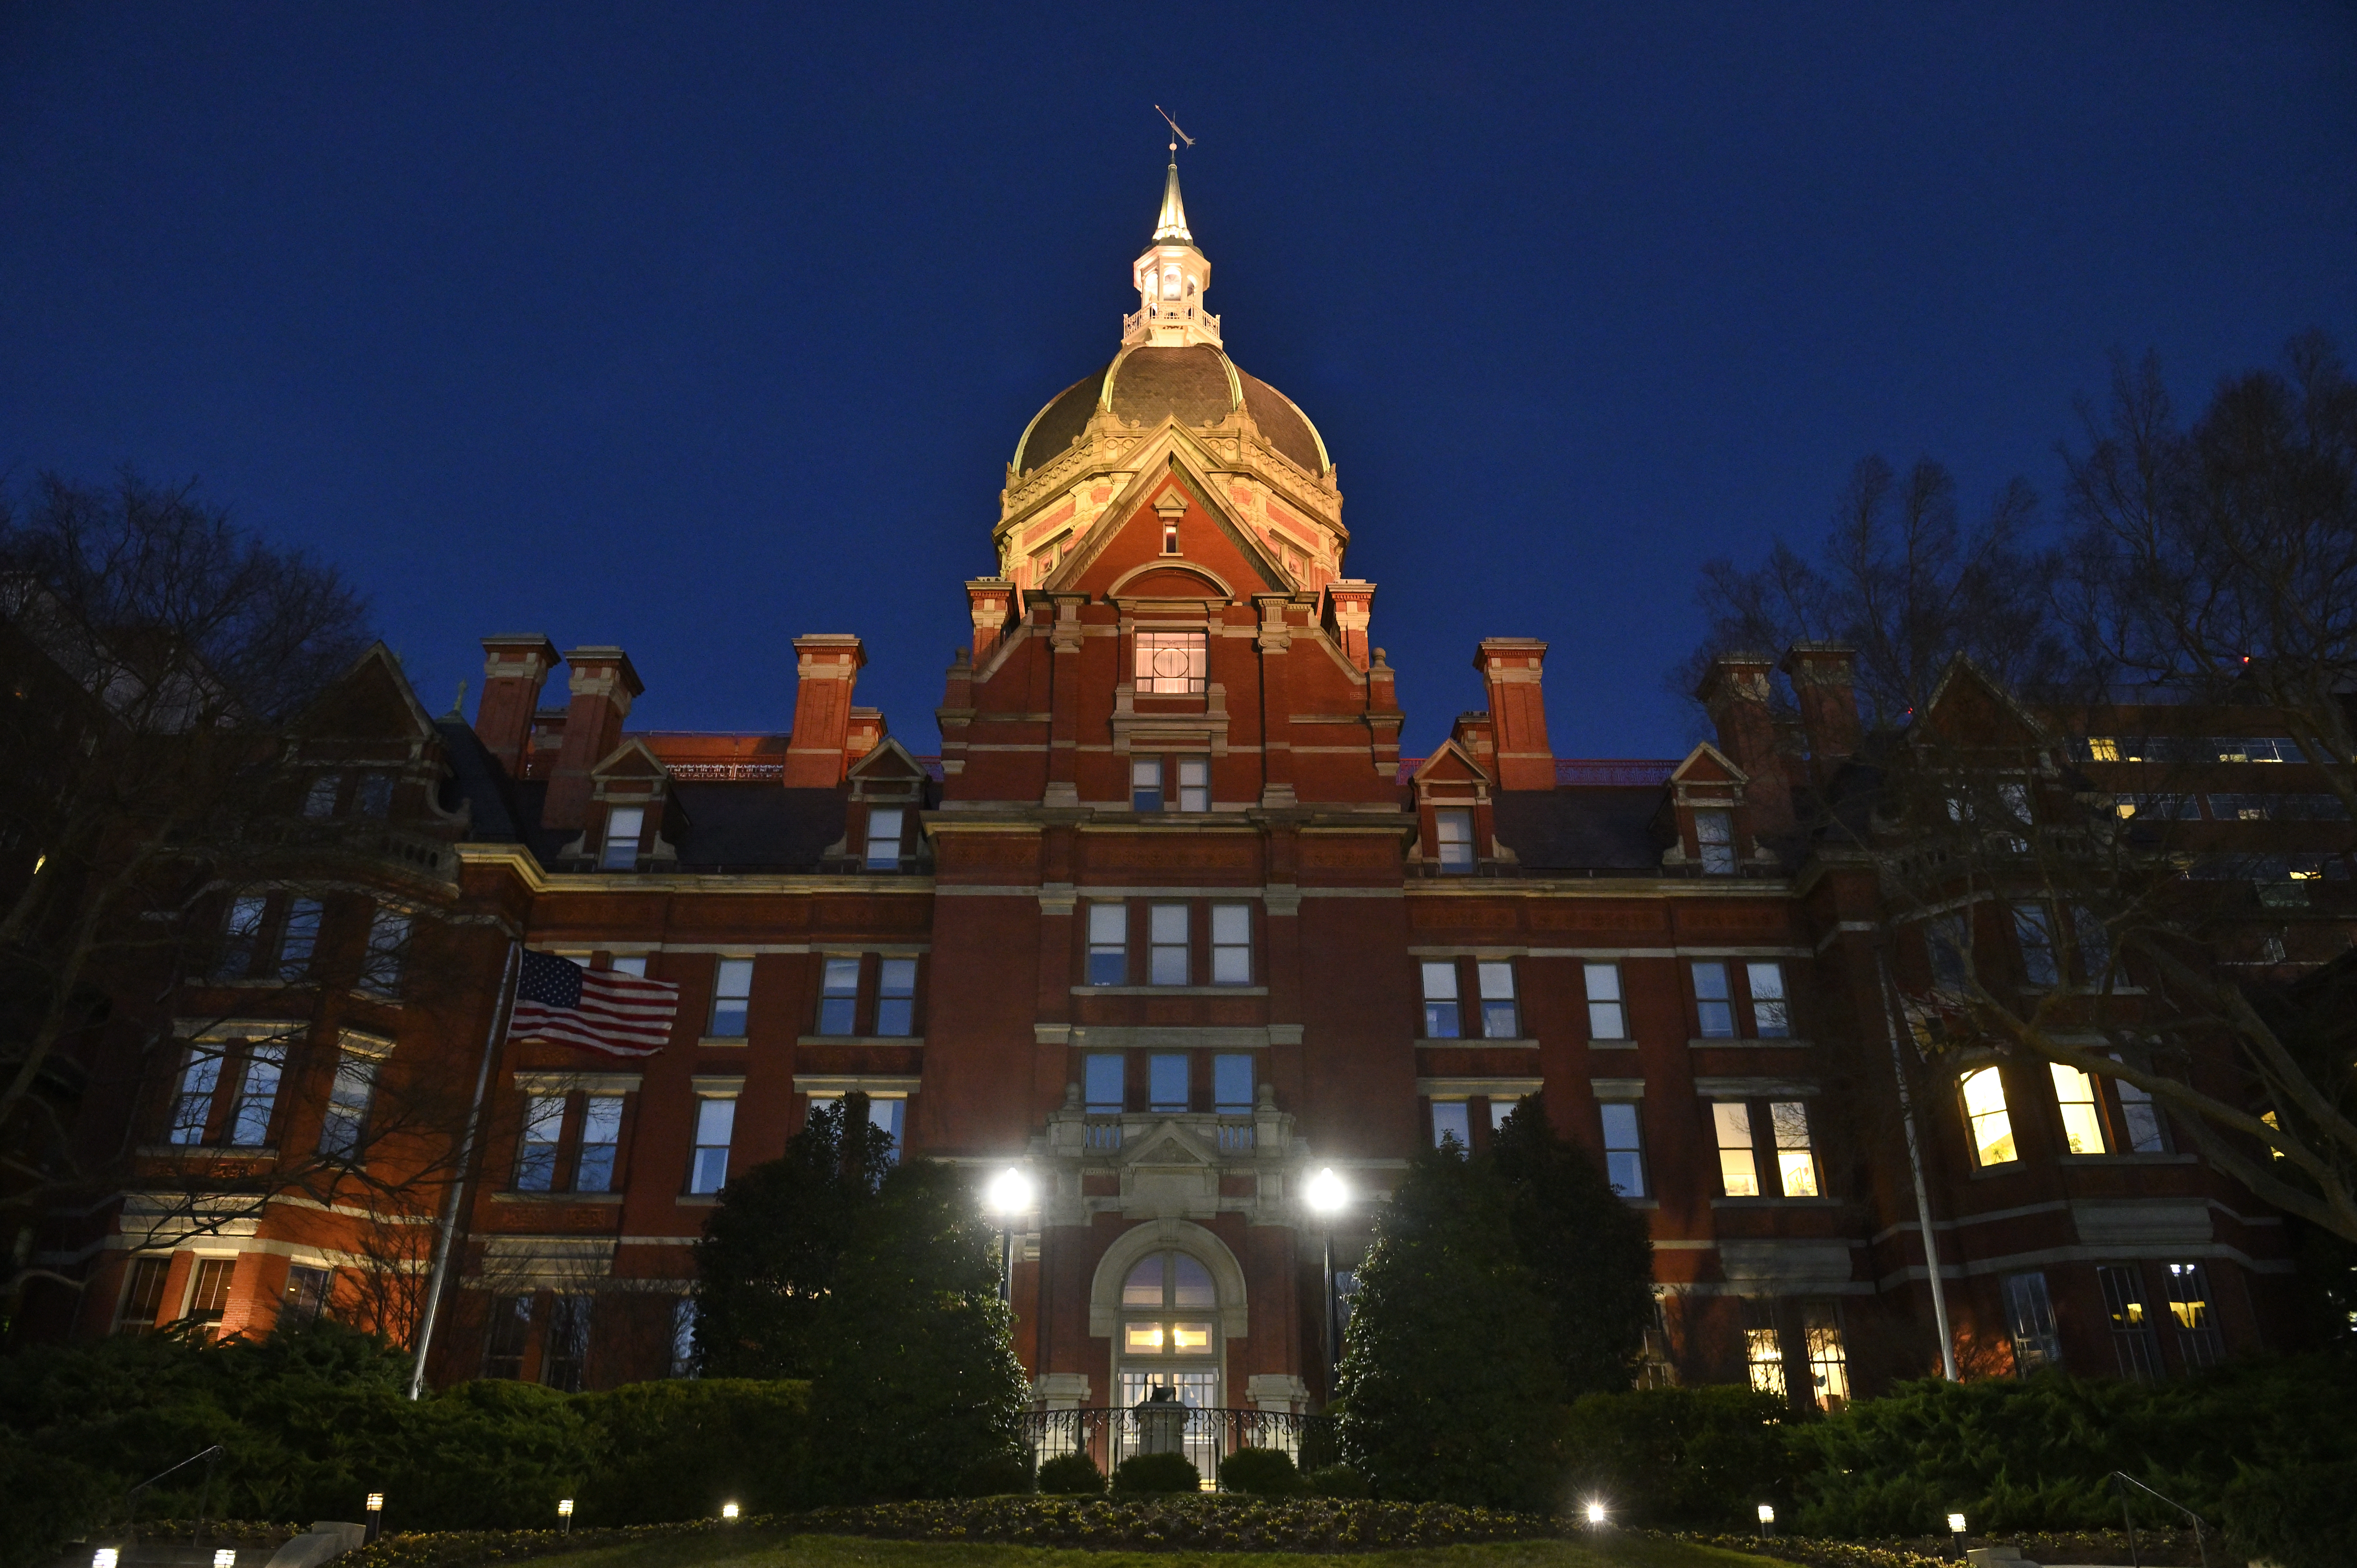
x=695 y=327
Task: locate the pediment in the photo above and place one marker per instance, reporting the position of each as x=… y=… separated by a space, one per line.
x=1221 y=557
x=373 y=699
x=1169 y=1145
x=1967 y=705
x=631 y=760
x=1452 y=764
x=1706 y=764
x=888 y=762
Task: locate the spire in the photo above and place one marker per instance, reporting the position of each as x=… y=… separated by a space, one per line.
x=1172 y=224
x=1172 y=276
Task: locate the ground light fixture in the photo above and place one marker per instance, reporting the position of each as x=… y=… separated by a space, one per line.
x=104 y=1557
x=1956 y=1532
x=1008 y=1195
x=728 y=1511
x=1767 y=1519
x=225 y=1558
x=375 y=1513
x=1596 y=1516
x=565 y=1513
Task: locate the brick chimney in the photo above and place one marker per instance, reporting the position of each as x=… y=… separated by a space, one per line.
x=1736 y=692
x=513 y=669
x=1825 y=680
x=991 y=601
x=604 y=686
x=1350 y=607
x=1509 y=668
x=829 y=667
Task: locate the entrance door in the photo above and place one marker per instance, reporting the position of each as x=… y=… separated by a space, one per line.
x=1171 y=1339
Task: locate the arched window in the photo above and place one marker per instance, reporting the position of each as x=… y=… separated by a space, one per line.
x=1170 y=1339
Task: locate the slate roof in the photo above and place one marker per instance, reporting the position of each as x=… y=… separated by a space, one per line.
x=757 y=827
x=1582 y=827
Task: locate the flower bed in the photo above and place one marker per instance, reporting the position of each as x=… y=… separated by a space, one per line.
x=481 y=1548
x=1196 y=1524
x=1815 y=1554
x=2155 y=1548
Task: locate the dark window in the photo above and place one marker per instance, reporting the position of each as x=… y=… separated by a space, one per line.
x=1714 y=836
x=1102 y=1090
x=1714 y=1007
x=209 y=1298
x=601 y=1137
x=543 y=1130
x=1501 y=1019
x=376 y=794
x=511 y=1331
x=564 y=1354
x=143 y=1296
x=1232 y=1085
x=1166 y=1083
x=306 y=1301
x=2029 y=1313
x=300 y=940
x=732 y=997
x=1624 y=1148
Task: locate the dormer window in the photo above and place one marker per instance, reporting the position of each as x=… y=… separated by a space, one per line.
x=1715 y=837
x=884 y=829
x=1453 y=830
x=623 y=826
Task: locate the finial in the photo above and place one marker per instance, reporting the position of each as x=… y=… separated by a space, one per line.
x=1172 y=223
x=458 y=703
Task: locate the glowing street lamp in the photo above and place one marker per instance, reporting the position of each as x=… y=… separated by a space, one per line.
x=565 y=1513
x=375 y=1513
x=1596 y=1516
x=1009 y=1195
x=1326 y=1196
x=1767 y=1519
x=728 y=1511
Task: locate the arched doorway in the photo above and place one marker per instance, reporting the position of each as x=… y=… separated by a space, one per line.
x=1169 y=1337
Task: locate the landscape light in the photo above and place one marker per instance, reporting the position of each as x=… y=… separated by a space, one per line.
x=226 y=1557
x=376 y=1502
x=1595 y=1514
x=1009 y=1193
x=565 y=1513
x=1326 y=1192
x=1767 y=1514
x=728 y=1511
x=1955 y=1524
x=104 y=1557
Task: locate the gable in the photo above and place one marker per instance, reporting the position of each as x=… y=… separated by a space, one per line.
x=1124 y=553
x=372 y=700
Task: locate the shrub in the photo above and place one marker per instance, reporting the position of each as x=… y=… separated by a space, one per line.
x=2300 y=1516
x=1071 y=1475
x=1145 y=1472
x=1698 y=1456
x=1336 y=1481
x=997 y=1475
x=1261 y=1472
x=678 y=1450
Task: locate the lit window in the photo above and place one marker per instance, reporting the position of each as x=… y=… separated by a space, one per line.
x=2029 y=1313
x=387 y=955
x=320 y=801
x=1738 y=1166
x=208 y=1296
x=1452 y=1123
x=1714 y=1010
x=1607 y=1018
x=306 y=1300
x=1440 y=1022
x=838 y=1001
x=732 y=997
x=1166 y=1083
x=1501 y=1108
x=1102 y=1089
x=1232 y=957
x=1992 y=1126
x=1194 y=783
x=1771 y=1016
x=2082 y=1123
x=1715 y=835
x=1624 y=1148
x=1171 y=663
x=375 y=797
x=1167 y=954
x=1501 y=1019
x=2140 y=1119
x=1146 y=784
x=1453 y=827
x=1162 y=1285
x=2131 y=1339
x=895 y=996
x=1170 y=539
x=348 y=1106
x=715 y=1123
x=1108 y=944
x=257 y=1096
x=1763 y=1351
x=884 y=828
x=1828 y=1367
x=192 y=1107
x=601 y=1139
x=623 y=826
x=2103 y=749
x=543 y=1129
x=300 y=940
x=2033 y=929
x=1232 y=1085
x=2188 y=1304
x=1796 y=1162
x=241 y=938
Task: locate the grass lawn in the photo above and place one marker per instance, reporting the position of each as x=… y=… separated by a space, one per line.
x=851 y=1552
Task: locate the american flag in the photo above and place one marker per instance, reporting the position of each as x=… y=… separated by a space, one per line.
x=559 y=1001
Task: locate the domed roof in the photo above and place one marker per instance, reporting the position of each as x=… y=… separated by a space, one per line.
x=1197 y=384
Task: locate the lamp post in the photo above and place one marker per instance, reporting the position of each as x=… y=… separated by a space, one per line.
x=1956 y=1535
x=375 y=1513
x=225 y=1558
x=1327 y=1195
x=1009 y=1195
x=565 y=1513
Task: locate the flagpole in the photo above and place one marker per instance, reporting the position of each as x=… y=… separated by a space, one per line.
x=450 y=1228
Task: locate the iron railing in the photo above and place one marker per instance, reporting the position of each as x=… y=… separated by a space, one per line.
x=1109 y=1436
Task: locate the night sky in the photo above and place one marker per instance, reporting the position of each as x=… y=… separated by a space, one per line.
x=695 y=327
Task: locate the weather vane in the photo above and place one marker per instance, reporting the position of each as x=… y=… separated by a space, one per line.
x=1177 y=135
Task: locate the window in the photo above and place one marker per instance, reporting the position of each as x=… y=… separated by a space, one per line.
x=242 y=937
x=1194 y=783
x=890 y=1117
x=543 y=1130
x=192 y=1106
x=320 y=800
x=838 y=1001
x=2029 y=1313
x=2094 y=945
x=1146 y=784
x=732 y=997
x=1763 y=1348
x=1796 y=1162
x=2083 y=1122
x=2015 y=798
x=348 y=1105
x=300 y=939
x=1624 y=1148
x=1166 y=1083
x=1452 y=1122
x=1169 y=529
x=2140 y=1119
x=1608 y=1017
x=1102 y=1089
x=2033 y=930
x=1171 y=663
x=1167 y=1302
x=1232 y=1085
x=208 y=1296
x=2188 y=1304
x=1984 y=1114
x=1771 y=1016
x=1738 y=1165
x=142 y=1294
x=306 y=1301
x=257 y=1094
x=884 y=829
x=623 y=826
x=601 y=1140
x=1501 y=1019
x=1440 y=1000
x=1828 y=1366
x=1108 y=944
x=1231 y=957
x=1501 y=1107
x=1951 y=945
x=1166 y=932
x=683 y=1337
x=1453 y=831
x=716 y=1120
x=510 y=1332
x=895 y=996
x=1714 y=836
x=388 y=954
x=2131 y=1339
x=633 y=963
x=1714 y=1008
x=564 y=1354
x=375 y=796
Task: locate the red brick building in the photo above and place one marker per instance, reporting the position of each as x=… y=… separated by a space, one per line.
x=1169 y=923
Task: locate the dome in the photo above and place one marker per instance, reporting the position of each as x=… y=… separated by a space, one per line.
x=1197 y=384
